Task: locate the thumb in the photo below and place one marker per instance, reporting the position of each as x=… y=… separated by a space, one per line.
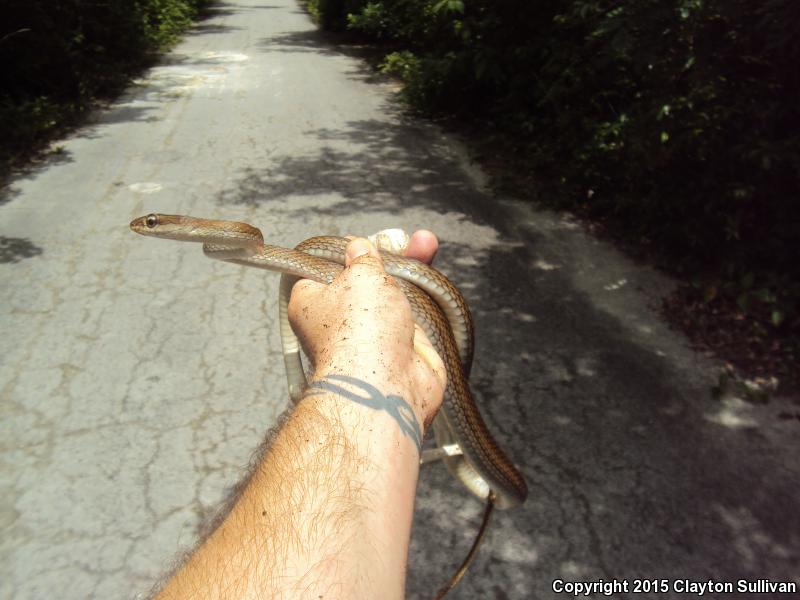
x=361 y=251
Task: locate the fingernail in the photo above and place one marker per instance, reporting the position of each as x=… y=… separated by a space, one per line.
x=357 y=248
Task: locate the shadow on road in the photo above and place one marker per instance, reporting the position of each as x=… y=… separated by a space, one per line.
x=55 y=155
x=220 y=9
x=330 y=44
x=212 y=28
x=13 y=250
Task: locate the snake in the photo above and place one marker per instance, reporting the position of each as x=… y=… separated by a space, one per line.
x=464 y=441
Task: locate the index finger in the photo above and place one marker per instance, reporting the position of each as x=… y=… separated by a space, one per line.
x=423 y=246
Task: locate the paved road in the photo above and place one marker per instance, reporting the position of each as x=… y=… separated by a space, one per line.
x=137 y=376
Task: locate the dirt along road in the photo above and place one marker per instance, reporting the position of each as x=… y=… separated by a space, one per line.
x=138 y=376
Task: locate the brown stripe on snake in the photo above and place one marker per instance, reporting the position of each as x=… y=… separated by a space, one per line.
x=484 y=468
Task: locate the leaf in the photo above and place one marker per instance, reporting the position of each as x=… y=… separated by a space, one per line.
x=449 y=6
x=455 y=6
x=709 y=293
x=777 y=318
x=765 y=295
x=743 y=301
x=480 y=67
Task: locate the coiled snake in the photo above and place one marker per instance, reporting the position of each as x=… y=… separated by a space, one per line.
x=464 y=442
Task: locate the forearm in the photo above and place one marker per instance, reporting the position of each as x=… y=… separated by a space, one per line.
x=327 y=512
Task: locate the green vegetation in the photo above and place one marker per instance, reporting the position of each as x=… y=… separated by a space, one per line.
x=58 y=56
x=675 y=123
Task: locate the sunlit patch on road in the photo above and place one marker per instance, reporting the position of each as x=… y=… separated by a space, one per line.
x=615 y=286
x=224 y=56
x=145 y=187
x=732 y=414
x=544 y=265
x=217 y=71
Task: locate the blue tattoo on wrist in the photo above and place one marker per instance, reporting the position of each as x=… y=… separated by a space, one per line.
x=395 y=406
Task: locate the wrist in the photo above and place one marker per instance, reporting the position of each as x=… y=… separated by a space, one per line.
x=370 y=406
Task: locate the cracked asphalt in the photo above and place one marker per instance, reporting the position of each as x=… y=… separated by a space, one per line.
x=138 y=377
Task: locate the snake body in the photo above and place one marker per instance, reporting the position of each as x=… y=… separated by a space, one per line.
x=437 y=305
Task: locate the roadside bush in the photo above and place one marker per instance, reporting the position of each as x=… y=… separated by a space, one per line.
x=678 y=121
x=332 y=14
x=58 y=55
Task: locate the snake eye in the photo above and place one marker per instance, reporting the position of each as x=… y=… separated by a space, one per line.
x=151 y=221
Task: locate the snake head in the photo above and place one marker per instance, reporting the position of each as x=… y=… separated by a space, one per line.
x=146 y=225
x=193 y=229
x=163 y=226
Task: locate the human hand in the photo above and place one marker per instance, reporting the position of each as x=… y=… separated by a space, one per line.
x=361 y=327
x=332 y=498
